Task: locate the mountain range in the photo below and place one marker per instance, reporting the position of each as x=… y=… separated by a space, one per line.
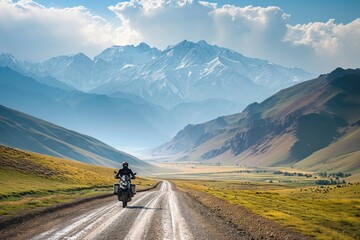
x=185 y=72
x=25 y=132
x=117 y=120
x=313 y=125
x=138 y=96
x=190 y=72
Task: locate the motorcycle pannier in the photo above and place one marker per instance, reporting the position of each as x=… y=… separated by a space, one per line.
x=116 y=188
x=133 y=188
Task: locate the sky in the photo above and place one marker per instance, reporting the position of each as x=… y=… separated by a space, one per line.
x=316 y=35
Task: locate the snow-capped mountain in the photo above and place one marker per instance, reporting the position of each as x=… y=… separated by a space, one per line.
x=185 y=72
x=72 y=69
x=195 y=82
x=81 y=72
x=198 y=71
x=8 y=60
x=122 y=55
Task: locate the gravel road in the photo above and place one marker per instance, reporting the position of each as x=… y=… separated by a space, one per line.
x=163 y=213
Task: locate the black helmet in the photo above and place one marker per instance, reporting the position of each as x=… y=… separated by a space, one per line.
x=125 y=164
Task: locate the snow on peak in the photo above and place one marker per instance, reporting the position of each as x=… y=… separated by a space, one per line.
x=7 y=57
x=128 y=54
x=188 y=69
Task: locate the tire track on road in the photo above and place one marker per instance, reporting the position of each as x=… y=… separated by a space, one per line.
x=143 y=220
x=100 y=218
x=160 y=214
x=174 y=224
x=100 y=231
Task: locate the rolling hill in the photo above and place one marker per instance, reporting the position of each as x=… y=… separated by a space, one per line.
x=49 y=181
x=313 y=125
x=25 y=132
x=121 y=119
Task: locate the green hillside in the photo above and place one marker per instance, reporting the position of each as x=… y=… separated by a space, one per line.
x=25 y=132
x=31 y=181
x=343 y=155
x=313 y=125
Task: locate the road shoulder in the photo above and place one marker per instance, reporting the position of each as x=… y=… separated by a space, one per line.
x=238 y=217
x=206 y=223
x=27 y=225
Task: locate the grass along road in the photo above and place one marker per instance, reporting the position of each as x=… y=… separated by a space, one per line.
x=160 y=213
x=30 y=182
x=324 y=213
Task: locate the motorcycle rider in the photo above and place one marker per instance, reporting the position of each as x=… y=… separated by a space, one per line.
x=126 y=171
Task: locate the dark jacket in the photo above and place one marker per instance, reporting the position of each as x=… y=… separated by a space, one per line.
x=125 y=171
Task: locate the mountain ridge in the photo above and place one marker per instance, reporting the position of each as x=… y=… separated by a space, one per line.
x=115 y=120
x=28 y=133
x=186 y=83
x=174 y=73
x=186 y=69
x=283 y=130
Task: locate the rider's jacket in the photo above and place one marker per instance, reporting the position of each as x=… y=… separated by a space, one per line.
x=124 y=171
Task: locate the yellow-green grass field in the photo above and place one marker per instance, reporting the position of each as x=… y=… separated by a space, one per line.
x=327 y=212
x=192 y=170
x=30 y=181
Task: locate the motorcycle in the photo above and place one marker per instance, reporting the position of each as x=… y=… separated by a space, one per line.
x=124 y=189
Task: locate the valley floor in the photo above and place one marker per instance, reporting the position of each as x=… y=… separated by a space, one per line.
x=330 y=212
x=290 y=197
x=203 y=202
x=164 y=213
x=203 y=210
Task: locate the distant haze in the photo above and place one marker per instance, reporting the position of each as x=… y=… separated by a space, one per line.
x=138 y=96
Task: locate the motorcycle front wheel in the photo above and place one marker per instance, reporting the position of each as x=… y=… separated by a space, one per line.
x=124 y=199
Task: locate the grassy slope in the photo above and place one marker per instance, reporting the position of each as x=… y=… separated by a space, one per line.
x=29 y=181
x=343 y=155
x=270 y=153
x=308 y=97
x=319 y=96
x=26 y=132
x=334 y=94
x=325 y=213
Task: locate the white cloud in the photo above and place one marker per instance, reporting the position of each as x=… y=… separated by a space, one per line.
x=161 y=23
x=332 y=44
x=36 y=32
x=31 y=31
x=253 y=31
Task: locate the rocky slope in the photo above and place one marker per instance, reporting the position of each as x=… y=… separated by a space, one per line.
x=318 y=118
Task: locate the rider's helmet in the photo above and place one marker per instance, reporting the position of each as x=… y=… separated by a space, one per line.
x=125 y=164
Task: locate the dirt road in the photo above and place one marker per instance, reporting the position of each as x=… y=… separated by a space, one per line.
x=163 y=213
